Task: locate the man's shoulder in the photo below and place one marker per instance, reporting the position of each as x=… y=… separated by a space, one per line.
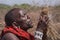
x=10 y=36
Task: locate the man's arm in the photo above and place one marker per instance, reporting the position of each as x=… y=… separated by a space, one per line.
x=9 y=36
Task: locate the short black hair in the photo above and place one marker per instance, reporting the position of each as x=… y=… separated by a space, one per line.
x=12 y=16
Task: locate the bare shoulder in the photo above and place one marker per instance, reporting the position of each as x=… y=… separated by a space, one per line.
x=9 y=36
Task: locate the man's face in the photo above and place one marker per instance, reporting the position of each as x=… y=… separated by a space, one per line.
x=26 y=21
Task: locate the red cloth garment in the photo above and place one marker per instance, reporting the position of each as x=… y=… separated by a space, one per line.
x=18 y=32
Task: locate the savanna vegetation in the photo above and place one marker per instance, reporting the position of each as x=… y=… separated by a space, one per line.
x=34 y=11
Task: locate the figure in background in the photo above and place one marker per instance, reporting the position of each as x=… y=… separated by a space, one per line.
x=41 y=30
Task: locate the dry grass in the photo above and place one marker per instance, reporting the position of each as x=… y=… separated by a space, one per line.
x=53 y=32
x=53 y=29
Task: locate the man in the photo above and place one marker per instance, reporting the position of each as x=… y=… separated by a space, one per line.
x=17 y=24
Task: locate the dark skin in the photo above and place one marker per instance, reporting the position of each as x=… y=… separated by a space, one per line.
x=43 y=25
x=10 y=36
x=25 y=26
x=15 y=19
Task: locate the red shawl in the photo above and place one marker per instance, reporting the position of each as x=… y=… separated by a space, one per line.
x=19 y=32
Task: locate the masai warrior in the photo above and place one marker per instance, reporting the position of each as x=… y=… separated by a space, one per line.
x=17 y=24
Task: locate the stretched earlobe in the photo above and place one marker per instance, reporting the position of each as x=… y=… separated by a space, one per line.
x=15 y=25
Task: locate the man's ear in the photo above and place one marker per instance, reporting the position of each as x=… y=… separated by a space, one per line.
x=15 y=25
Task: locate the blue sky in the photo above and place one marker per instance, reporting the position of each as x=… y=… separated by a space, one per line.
x=36 y=2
